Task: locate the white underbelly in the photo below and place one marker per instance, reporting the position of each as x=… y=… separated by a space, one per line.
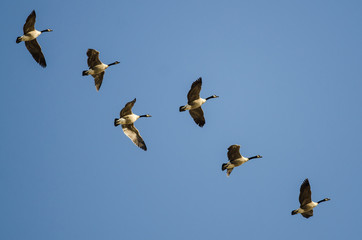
x=195 y=104
x=128 y=119
x=97 y=69
x=30 y=35
x=238 y=162
x=308 y=207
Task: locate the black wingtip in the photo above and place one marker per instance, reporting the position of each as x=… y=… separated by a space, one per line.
x=32 y=13
x=306 y=182
x=201 y=124
x=43 y=64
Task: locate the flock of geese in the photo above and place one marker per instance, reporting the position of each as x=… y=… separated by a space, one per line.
x=127 y=118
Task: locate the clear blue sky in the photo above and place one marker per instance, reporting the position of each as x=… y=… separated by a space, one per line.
x=288 y=74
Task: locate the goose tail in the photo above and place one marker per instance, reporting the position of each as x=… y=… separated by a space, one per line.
x=116 y=122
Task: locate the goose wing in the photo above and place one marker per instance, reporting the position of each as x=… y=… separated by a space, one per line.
x=134 y=135
x=127 y=110
x=229 y=171
x=198 y=115
x=234 y=152
x=98 y=79
x=308 y=214
x=305 y=195
x=35 y=50
x=93 y=58
x=194 y=92
x=29 y=23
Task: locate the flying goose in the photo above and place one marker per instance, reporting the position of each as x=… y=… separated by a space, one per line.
x=235 y=159
x=305 y=200
x=29 y=37
x=195 y=102
x=96 y=67
x=127 y=118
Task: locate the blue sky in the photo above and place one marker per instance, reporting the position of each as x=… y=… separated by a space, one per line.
x=288 y=74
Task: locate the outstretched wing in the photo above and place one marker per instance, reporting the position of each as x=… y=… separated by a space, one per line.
x=93 y=58
x=29 y=23
x=194 y=92
x=308 y=214
x=35 y=50
x=98 y=79
x=134 y=135
x=234 y=152
x=305 y=195
x=198 y=115
x=127 y=110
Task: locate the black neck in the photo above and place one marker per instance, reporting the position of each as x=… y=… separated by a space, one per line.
x=46 y=30
x=143 y=115
x=112 y=64
x=253 y=157
x=321 y=201
x=209 y=97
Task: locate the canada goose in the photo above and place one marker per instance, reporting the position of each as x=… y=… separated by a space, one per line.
x=96 y=67
x=195 y=101
x=235 y=159
x=305 y=200
x=29 y=37
x=127 y=118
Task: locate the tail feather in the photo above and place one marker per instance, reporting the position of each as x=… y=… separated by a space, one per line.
x=18 y=39
x=182 y=108
x=85 y=73
x=115 y=122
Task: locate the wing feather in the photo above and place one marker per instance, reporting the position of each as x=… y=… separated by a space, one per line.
x=305 y=195
x=198 y=115
x=134 y=135
x=98 y=79
x=127 y=110
x=194 y=92
x=35 y=50
x=308 y=214
x=234 y=152
x=30 y=23
x=229 y=171
x=93 y=58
